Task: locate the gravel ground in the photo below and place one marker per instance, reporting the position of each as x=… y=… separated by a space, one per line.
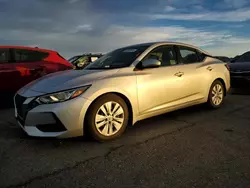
x=194 y=147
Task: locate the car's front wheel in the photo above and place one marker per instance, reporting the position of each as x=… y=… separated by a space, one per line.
x=216 y=94
x=107 y=117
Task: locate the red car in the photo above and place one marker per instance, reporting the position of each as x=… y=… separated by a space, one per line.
x=20 y=65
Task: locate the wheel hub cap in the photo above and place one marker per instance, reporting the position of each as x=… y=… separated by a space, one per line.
x=217 y=94
x=109 y=118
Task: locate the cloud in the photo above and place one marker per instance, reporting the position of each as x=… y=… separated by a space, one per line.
x=85 y=27
x=228 y=50
x=235 y=3
x=169 y=8
x=238 y=15
x=115 y=36
x=72 y=27
x=73 y=1
x=181 y=3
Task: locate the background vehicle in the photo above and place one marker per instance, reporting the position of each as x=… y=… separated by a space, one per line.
x=124 y=86
x=245 y=57
x=81 y=61
x=240 y=72
x=20 y=65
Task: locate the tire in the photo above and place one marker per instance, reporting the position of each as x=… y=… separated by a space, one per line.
x=103 y=127
x=216 y=95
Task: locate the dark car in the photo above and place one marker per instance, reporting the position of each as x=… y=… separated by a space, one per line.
x=242 y=58
x=81 y=61
x=240 y=74
x=20 y=65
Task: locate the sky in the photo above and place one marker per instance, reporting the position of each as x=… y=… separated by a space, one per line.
x=72 y=27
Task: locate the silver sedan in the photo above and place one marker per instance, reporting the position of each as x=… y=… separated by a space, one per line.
x=122 y=87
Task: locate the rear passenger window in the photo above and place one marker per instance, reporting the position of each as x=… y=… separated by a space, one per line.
x=201 y=56
x=22 y=55
x=4 y=55
x=188 y=55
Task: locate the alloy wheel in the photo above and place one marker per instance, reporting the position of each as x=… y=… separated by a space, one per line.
x=109 y=118
x=217 y=94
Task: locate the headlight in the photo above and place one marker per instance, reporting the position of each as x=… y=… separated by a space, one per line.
x=61 y=96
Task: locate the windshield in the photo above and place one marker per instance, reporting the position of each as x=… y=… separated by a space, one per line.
x=119 y=58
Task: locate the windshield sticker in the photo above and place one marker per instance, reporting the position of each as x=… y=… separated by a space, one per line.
x=130 y=50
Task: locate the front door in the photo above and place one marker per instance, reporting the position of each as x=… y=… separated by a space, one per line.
x=160 y=88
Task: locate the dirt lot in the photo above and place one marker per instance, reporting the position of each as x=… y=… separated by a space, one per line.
x=195 y=147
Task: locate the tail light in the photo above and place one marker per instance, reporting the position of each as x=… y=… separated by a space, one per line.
x=227 y=66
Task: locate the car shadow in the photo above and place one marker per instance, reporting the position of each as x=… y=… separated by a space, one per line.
x=160 y=120
x=140 y=128
x=6 y=100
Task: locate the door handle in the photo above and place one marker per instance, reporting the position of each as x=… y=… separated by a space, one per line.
x=179 y=74
x=209 y=68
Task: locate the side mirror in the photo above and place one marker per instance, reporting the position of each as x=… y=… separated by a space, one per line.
x=151 y=63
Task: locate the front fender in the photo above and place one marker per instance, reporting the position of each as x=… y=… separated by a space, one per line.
x=127 y=88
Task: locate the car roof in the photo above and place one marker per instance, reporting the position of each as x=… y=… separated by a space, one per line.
x=169 y=43
x=29 y=48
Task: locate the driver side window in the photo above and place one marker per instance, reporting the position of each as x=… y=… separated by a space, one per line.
x=165 y=54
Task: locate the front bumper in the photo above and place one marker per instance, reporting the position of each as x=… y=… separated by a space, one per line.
x=59 y=120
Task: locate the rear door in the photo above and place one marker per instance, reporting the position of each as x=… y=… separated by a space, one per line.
x=193 y=76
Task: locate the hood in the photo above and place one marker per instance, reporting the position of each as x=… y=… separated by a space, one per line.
x=66 y=80
x=239 y=66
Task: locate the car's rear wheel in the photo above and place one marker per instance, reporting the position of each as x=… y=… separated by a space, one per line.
x=107 y=117
x=216 y=94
